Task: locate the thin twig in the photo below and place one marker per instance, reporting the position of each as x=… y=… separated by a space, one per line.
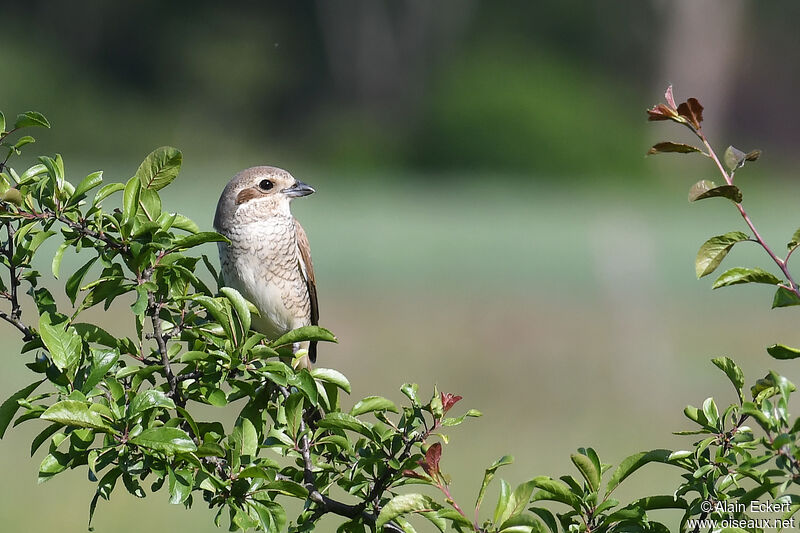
x=729 y=180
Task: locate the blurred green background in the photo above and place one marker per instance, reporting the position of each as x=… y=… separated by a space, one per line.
x=485 y=218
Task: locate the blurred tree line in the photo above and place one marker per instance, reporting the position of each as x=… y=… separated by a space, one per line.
x=443 y=86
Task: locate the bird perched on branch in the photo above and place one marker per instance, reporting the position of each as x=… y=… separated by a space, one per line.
x=268 y=259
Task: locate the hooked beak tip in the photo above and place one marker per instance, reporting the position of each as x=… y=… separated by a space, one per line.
x=298 y=189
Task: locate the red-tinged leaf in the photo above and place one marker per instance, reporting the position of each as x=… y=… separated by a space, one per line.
x=413 y=474
x=692 y=111
x=431 y=462
x=664 y=147
x=449 y=400
x=662 y=112
x=670 y=98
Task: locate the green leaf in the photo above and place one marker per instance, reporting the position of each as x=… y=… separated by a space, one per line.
x=733 y=372
x=64 y=345
x=240 y=306
x=489 y=475
x=75 y=413
x=404 y=504
x=502 y=501
x=587 y=469
x=734 y=158
x=2 y=122
x=179 y=486
x=785 y=298
x=249 y=437
x=708 y=189
x=165 y=439
x=139 y=306
x=739 y=275
x=271 y=516
x=714 y=250
x=779 y=351
x=27 y=139
x=664 y=147
x=102 y=361
x=216 y=310
x=150 y=399
x=31 y=118
x=9 y=407
x=346 y=421
x=184 y=223
x=159 y=168
x=373 y=403
x=76 y=280
x=329 y=375
x=304 y=333
x=517 y=502
x=289 y=488
x=59 y=255
x=197 y=239
x=631 y=464
x=130 y=201
x=107 y=191
x=150 y=204
x=555 y=491
x=87 y=184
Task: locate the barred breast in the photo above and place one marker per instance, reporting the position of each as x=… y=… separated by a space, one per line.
x=261 y=262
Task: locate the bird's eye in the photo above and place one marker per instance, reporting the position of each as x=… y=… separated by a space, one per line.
x=265 y=185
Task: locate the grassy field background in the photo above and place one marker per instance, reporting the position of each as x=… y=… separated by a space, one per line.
x=569 y=315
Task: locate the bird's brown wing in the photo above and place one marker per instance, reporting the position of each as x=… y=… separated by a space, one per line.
x=307 y=269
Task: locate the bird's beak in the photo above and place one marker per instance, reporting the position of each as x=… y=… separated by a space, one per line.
x=298 y=189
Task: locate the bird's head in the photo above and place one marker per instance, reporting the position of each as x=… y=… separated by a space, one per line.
x=258 y=193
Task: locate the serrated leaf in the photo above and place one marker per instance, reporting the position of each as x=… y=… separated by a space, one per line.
x=87 y=184
x=404 y=504
x=184 y=223
x=102 y=361
x=664 y=147
x=714 y=250
x=130 y=201
x=106 y=191
x=196 y=239
x=632 y=463
x=373 y=403
x=159 y=168
x=345 y=421
x=587 y=469
x=733 y=372
x=739 y=275
x=708 y=189
x=31 y=118
x=304 y=333
x=240 y=306
x=555 y=491
x=150 y=399
x=329 y=375
x=779 y=351
x=165 y=439
x=9 y=407
x=76 y=414
x=64 y=345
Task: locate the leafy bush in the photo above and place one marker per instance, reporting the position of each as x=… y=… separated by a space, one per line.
x=125 y=407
